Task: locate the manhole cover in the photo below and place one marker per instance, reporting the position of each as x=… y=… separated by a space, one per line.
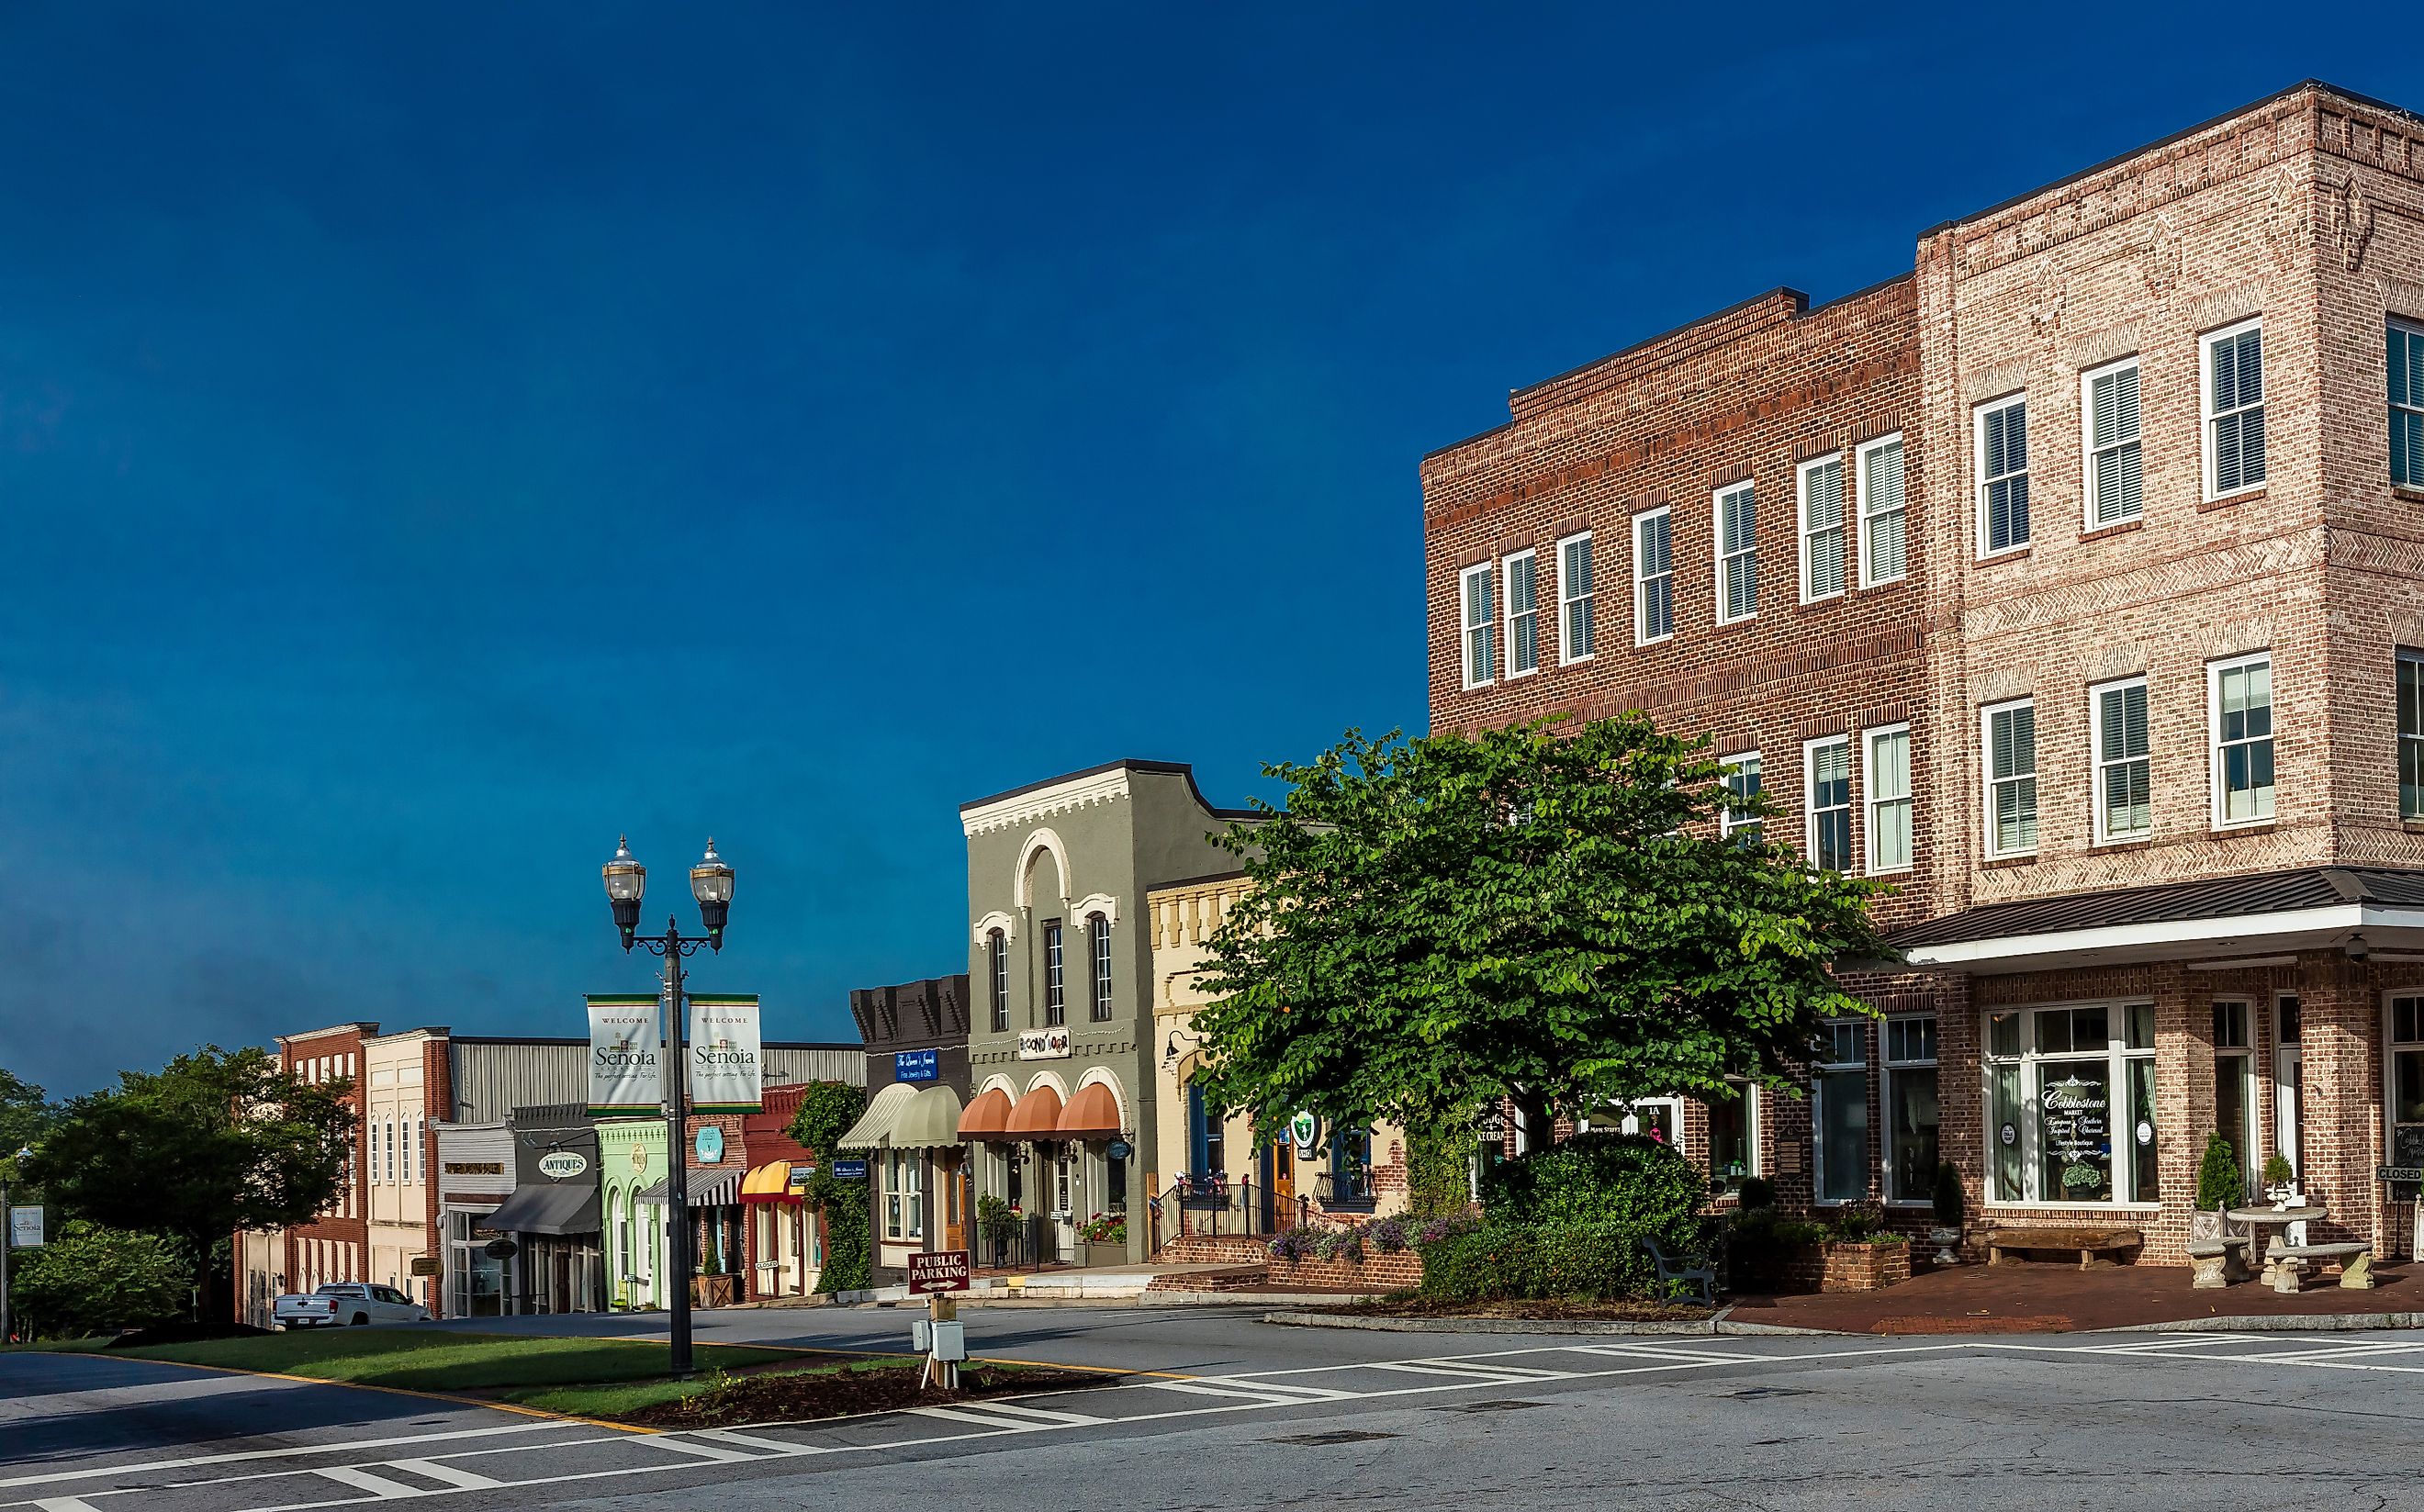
x=1752 y=1393
x=1489 y=1407
x=1334 y=1436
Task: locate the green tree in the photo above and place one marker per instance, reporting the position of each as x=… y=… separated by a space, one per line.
x=215 y=1142
x=827 y=1109
x=90 y=1280
x=1540 y=911
x=26 y=1113
x=2219 y=1181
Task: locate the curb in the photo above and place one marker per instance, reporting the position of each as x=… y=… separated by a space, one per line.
x=1714 y=1326
x=2276 y=1323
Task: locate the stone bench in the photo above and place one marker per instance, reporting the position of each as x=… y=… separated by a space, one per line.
x=2291 y=1261
x=2083 y=1242
x=2218 y=1262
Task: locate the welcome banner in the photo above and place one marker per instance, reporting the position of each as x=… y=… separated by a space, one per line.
x=723 y=1055
x=625 y=1079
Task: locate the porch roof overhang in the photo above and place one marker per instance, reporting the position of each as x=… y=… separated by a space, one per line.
x=2361 y=911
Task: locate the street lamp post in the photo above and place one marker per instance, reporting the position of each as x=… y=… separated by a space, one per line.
x=711 y=883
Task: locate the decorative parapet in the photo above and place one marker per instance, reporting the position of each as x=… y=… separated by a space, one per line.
x=1188 y=913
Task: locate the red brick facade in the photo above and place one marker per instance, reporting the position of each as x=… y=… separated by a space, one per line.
x=332 y=1247
x=2305 y=215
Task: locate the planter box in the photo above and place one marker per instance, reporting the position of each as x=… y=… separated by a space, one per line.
x=1104 y=1254
x=1866 y=1265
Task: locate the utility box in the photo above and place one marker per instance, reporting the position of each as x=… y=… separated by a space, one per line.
x=945 y=1341
x=921 y=1335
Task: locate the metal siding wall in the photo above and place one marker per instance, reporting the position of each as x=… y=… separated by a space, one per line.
x=491 y=1080
x=785 y=1067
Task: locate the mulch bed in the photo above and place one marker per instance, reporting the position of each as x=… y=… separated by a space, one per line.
x=1615 y=1311
x=771 y=1396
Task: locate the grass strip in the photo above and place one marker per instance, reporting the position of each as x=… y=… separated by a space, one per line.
x=426 y=1362
x=616 y=1400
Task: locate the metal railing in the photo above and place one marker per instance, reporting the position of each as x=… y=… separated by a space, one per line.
x=1346 y=1191
x=1215 y=1205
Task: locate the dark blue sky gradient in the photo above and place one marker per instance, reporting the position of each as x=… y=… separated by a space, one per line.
x=435 y=440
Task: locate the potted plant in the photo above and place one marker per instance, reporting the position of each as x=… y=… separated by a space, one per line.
x=1948 y=1202
x=2277 y=1180
x=996 y=1220
x=2220 y=1184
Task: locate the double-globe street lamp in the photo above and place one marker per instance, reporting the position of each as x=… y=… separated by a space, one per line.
x=711 y=883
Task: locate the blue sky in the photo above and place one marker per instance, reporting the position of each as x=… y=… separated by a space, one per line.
x=435 y=441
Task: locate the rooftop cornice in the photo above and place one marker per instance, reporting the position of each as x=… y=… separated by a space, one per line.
x=1088 y=790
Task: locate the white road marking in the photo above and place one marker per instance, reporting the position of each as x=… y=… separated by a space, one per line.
x=363 y=1480
x=953 y=1414
x=1500 y=1374
x=148 y=1466
x=751 y=1441
x=687 y=1446
x=466 y=1480
x=65 y=1504
x=1037 y=1413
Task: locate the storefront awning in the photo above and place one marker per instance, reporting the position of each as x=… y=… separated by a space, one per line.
x=1092 y=1114
x=718 y=1188
x=555 y=1208
x=930 y=1122
x=874 y=1124
x=769 y=1183
x=987 y=1117
x=1037 y=1116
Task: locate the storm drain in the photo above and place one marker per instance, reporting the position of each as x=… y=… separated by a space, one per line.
x=1753 y=1393
x=1334 y=1436
x=1501 y=1405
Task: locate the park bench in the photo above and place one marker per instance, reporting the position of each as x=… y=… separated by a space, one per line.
x=2218 y=1255
x=1694 y=1271
x=2086 y=1243
x=2356 y=1263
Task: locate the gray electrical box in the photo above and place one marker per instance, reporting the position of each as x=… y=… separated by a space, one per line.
x=950 y=1341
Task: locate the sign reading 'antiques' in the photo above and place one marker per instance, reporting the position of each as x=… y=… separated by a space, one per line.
x=623 y=1071
x=562 y=1165
x=723 y=1055
x=917 y=1065
x=1043 y=1044
x=944 y=1270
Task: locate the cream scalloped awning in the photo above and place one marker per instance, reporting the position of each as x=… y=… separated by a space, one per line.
x=930 y=1122
x=874 y=1126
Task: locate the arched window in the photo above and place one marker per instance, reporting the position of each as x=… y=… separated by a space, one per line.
x=997 y=978
x=1098 y=938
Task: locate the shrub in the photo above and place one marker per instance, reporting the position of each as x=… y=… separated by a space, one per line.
x=1949 y=1198
x=1597 y=1179
x=849 y=1259
x=1492 y=1262
x=1300 y=1242
x=1434 y=1229
x=1857 y=1221
x=1343 y=1243
x=1438 y=1176
x=2219 y=1181
x=1389 y=1236
x=2278 y=1171
x=95 y=1280
x=1755 y=1192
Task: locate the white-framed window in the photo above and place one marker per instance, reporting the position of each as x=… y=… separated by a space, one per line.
x=1056 y=977
x=2070 y=1104
x=1578 y=633
x=1733 y=1136
x=2010 y=747
x=2403 y=1071
x=1911 y=1142
x=2406 y=339
x=1739 y=819
x=1654 y=577
x=2240 y=692
x=1098 y=940
x=2234 y=1080
x=2003 y=463
x=2108 y=409
x=2411 y=734
x=1735 y=512
x=1820 y=485
x=1827 y=779
x=1887 y=793
x=1478 y=591
x=905 y=1195
x=1885 y=537
x=2233 y=383
x=2117 y=738
x=998 y=977
x=1522 y=614
x=1839 y=1085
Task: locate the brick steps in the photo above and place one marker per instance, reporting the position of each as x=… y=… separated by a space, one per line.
x=1216 y=1249
x=1233 y=1278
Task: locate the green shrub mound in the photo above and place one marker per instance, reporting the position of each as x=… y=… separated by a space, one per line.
x=1569 y=1221
x=95 y=1280
x=2221 y=1184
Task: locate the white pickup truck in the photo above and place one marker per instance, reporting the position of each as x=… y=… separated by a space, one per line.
x=346 y=1302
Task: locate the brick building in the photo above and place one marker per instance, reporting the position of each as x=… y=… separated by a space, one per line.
x=2073 y=583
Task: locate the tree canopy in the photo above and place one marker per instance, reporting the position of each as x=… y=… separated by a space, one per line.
x=25 y=1112
x=1543 y=911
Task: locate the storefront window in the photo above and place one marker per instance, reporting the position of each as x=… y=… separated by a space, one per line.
x=1910 y=1109
x=904 y=1202
x=2051 y=1120
x=2406 y=1078
x=1839 y=1083
x=1733 y=1140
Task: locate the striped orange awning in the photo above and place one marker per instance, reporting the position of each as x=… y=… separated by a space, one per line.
x=987 y=1117
x=1093 y=1113
x=1036 y=1116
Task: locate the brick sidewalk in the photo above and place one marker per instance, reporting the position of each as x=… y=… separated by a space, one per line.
x=2047 y=1299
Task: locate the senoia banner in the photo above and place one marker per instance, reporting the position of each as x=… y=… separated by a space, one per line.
x=625 y=1077
x=723 y=1055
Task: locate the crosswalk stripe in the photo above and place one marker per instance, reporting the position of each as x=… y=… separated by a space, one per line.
x=751 y=1441
x=362 y=1480
x=1472 y=1372
x=953 y=1414
x=691 y=1446
x=1240 y=1391
x=1040 y=1414
x=65 y=1504
x=451 y=1475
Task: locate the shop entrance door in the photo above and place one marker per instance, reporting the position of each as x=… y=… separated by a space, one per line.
x=1067 y=1191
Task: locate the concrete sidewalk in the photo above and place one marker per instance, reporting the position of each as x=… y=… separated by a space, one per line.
x=2047 y=1299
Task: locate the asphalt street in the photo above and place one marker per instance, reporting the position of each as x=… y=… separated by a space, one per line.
x=1240 y=1413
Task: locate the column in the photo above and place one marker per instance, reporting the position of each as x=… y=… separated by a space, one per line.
x=2343 y=1096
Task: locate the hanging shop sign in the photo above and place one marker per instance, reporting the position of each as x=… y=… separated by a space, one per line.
x=501 y=1249
x=562 y=1165
x=852 y=1170
x=424 y=1265
x=802 y=1173
x=1305 y=1130
x=623 y=1073
x=723 y=1055
x=1119 y=1150
x=1043 y=1044
x=917 y=1065
x=709 y=1145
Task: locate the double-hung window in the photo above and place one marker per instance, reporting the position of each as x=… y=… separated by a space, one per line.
x=1737 y=517
x=1821 y=488
x=1098 y=940
x=2115 y=472
x=1826 y=777
x=2242 y=695
x=2234 y=409
x=1884 y=545
x=1654 y=577
x=2407 y=404
x=2411 y=734
x=1480 y=625
x=1910 y=1144
x=1839 y=1085
x=1056 y=982
x=997 y=974
x=1889 y=798
x=2117 y=713
x=2011 y=753
x=2002 y=475
x=1740 y=819
x=1522 y=614
x=1577 y=638
x=2070 y=1104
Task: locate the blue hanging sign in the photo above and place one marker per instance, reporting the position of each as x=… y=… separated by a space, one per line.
x=851 y=1169
x=709 y=1144
x=917 y=1065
